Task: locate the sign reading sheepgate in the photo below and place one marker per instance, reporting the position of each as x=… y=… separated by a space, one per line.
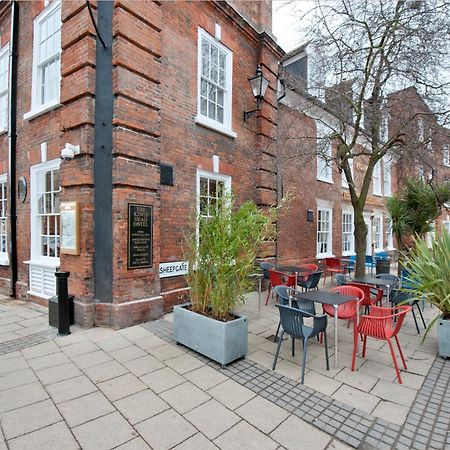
x=173 y=269
x=140 y=221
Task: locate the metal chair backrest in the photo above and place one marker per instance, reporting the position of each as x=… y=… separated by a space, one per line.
x=309 y=267
x=265 y=266
x=398 y=296
x=349 y=309
x=285 y=293
x=332 y=263
x=313 y=280
x=292 y=322
x=341 y=279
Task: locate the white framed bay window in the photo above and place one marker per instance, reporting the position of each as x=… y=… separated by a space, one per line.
x=45 y=188
x=214 y=88
x=46 y=76
x=378 y=232
x=348 y=238
x=324 y=232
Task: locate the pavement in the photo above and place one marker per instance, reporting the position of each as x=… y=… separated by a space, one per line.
x=136 y=389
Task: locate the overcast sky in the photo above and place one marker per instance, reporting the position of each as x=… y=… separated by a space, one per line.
x=287 y=26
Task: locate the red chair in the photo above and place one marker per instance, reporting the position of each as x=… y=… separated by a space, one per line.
x=380 y=324
x=278 y=279
x=332 y=266
x=307 y=268
x=348 y=311
x=368 y=299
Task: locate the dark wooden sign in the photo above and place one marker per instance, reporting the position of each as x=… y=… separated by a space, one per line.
x=140 y=236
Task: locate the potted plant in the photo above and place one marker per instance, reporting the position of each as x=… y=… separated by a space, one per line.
x=221 y=254
x=429 y=269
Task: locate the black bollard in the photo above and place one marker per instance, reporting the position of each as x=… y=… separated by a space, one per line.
x=63 y=303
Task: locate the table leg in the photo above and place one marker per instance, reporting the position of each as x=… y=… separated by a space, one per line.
x=335 y=336
x=259 y=297
x=388 y=295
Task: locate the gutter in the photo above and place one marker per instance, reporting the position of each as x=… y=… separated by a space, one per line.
x=12 y=144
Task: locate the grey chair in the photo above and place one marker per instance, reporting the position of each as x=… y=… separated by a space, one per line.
x=292 y=322
x=399 y=297
x=265 y=266
x=286 y=294
x=341 y=279
x=388 y=276
x=310 y=281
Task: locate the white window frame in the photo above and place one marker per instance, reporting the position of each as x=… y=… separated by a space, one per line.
x=389 y=234
x=226 y=126
x=387 y=176
x=378 y=234
x=38 y=108
x=329 y=241
x=446 y=155
x=4 y=257
x=213 y=176
x=344 y=179
x=4 y=53
x=351 y=233
x=376 y=179
x=324 y=167
x=35 y=243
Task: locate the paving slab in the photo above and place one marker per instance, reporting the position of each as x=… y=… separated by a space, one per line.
x=13 y=364
x=29 y=418
x=247 y=437
x=63 y=391
x=121 y=387
x=394 y=392
x=45 y=348
x=60 y=373
x=135 y=444
x=105 y=371
x=231 y=394
x=114 y=343
x=356 y=398
x=212 y=418
x=86 y=408
x=206 y=377
x=356 y=379
x=166 y=351
x=17 y=378
x=196 y=442
x=79 y=348
x=22 y=396
x=165 y=430
x=128 y=353
x=262 y=414
x=46 y=361
x=163 y=379
x=184 y=363
x=141 y=406
x=184 y=397
x=294 y=430
x=91 y=359
x=53 y=437
x=104 y=433
x=390 y=411
x=144 y=365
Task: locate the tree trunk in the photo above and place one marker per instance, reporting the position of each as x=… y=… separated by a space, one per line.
x=360 y=243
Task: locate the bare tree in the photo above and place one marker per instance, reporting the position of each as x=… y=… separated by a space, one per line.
x=364 y=51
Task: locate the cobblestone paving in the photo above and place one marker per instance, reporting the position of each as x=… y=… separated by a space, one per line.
x=427 y=424
x=26 y=341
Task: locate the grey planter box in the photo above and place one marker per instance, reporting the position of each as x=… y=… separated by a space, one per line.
x=444 y=337
x=223 y=342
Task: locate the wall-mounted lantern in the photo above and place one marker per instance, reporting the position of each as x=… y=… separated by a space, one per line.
x=259 y=84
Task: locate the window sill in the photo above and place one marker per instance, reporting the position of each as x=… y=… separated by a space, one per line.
x=215 y=126
x=325 y=255
x=378 y=194
x=40 y=295
x=46 y=107
x=324 y=180
x=4 y=261
x=348 y=254
x=3 y=131
x=43 y=263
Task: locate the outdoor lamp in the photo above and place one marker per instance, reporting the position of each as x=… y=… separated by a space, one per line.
x=259 y=85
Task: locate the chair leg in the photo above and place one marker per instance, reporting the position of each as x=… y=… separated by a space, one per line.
x=355 y=344
x=421 y=316
x=278 y=351
x=395 y=361
x=305 y=348
x=276 y=334
x=364 y=346
x=400 y=351
x=268 y=294
x=293 y=347
x=326 y=349
x=415 y=320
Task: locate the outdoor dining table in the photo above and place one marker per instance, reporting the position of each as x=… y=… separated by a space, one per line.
x=298 y=271
x=377 y=282
x=328 y=298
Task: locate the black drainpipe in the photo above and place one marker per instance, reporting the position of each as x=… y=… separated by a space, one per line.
x=12 y=144
x=104 y=107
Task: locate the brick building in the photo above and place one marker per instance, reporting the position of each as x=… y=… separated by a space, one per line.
x=151 y=104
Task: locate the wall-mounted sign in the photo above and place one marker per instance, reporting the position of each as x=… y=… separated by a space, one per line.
x=70 y=228
x=22 y=189
x=140 y=221
x=173 y=269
